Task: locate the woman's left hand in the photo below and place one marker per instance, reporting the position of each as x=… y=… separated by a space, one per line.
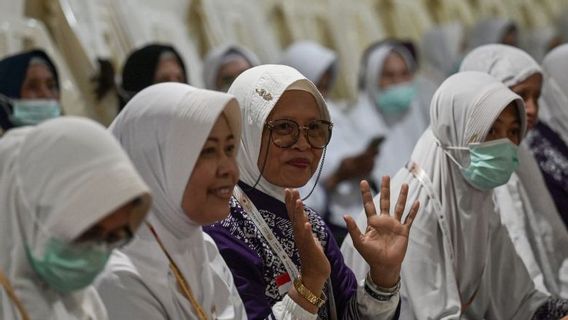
x=384 y=243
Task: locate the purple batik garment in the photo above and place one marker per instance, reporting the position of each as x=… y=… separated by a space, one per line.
x=551 y=153
x=254 y=265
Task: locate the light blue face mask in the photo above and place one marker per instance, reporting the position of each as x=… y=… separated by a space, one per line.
x=67 y=267
x=396 y=98
x=33 y=111
x=491 y=163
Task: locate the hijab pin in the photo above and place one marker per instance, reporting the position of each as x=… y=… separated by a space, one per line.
x=264 y=94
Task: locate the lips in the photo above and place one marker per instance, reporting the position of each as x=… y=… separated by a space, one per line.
x=222 y=192
x=299 y=163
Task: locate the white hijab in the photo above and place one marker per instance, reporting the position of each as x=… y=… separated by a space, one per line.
x=488 y=31
x=528 y=200
x=163 y=129
x=58 y=179
x=401 y=131
x=554 y=99
x=474 y=252
x=221 y=55
x=311 y=59
x=441 y=50
x=258 y=90
x=505 y=63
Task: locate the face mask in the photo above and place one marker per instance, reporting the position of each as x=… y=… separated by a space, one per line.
x=491 y=163
x=33 y=111
x=67 y=267
x=396 y=98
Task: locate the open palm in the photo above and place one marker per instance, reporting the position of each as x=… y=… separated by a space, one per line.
x=384 y=243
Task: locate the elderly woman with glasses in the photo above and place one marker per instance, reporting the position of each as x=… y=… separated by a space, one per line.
x=284 y=260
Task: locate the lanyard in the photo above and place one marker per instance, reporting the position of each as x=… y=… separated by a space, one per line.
x=259 y=222
x=180 y=279
x=425 y=181
x=12 y=295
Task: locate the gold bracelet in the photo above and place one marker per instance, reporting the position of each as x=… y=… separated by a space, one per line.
x=308 y=295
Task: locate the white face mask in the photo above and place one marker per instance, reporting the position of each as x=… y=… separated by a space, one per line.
x=33 y=111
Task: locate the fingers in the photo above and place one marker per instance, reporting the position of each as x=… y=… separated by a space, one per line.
x=367 y=196
x=353 y=230
x=401 y=202
x=385 y=195
x=412 y=214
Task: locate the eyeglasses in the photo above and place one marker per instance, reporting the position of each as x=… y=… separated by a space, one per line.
x=114 y=240
x=285 y=133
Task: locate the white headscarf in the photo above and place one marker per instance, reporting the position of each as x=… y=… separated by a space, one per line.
x=163 y=129
x=221 y=55
x=507 y=64
x=311 y=59
x=532 y=199
x=488 y=31
x=554 y=99
x=474 y=252
x=402 y=130
x=57 y=180
x=441 y=50
x=258 y=90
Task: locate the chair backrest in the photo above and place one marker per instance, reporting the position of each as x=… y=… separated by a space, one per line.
x=236 y=21
x=140 y=24
x=20 y=34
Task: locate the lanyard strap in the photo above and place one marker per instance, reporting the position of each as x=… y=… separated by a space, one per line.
x=180 y=279
x=259 y=222
x=12 y=295
x=425 y=181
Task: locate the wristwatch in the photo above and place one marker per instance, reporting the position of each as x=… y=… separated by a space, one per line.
x=308 y=295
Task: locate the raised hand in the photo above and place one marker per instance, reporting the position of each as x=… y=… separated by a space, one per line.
x=384 y=243
x=315 y=265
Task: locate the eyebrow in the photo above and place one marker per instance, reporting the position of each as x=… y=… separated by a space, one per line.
x=231 y=136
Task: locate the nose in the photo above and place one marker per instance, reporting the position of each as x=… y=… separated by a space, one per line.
x=44 y=92
x=228 y=167
x=302 y=144
x=531 y=107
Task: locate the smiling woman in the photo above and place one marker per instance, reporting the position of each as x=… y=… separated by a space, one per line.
x=283 y=258
x=183 y=140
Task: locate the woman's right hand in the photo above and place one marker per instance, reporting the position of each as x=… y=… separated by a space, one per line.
x=315 y=267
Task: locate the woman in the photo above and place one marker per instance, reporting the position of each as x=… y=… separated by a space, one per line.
x=526 y=207
x=494 y=30
x=348 y=159
x=223 y=64
x=29 y=80
x=184 y=143
x=148 y=65
x=549 y=139
x=461 y=262
x=442 y=51
x=68 y=196
x=390 y=105
x=269 y=235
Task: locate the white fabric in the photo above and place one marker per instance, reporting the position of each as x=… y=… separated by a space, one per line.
x=256 y=105
x=554 y=99
x=537 y=41
x=57 y=180
x=476 y=252
x=313 y=60
x=163 y=129
x=401 y=131
x=507 y=64
x=529 y=195
x=218 y=56
x=487 y=31
x=441 y=50
x=255 y=109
